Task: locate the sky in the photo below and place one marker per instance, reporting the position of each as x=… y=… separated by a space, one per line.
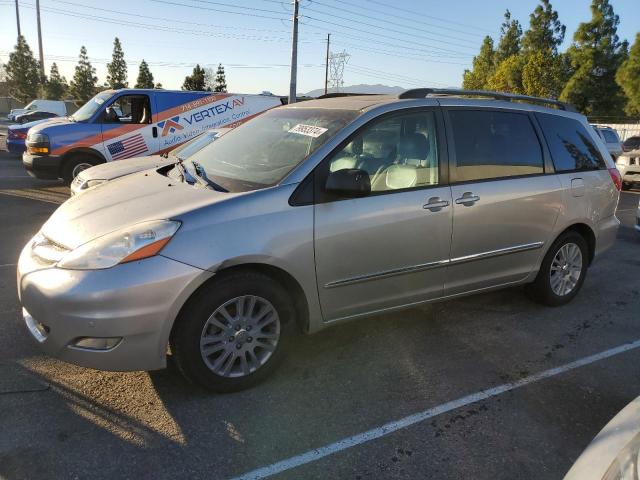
x=405 y=43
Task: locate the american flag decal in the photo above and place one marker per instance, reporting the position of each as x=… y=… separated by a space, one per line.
x=129 y=147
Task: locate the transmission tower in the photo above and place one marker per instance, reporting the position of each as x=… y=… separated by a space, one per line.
x=337 y=61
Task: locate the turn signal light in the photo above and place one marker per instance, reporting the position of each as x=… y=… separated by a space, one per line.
x=38 y=149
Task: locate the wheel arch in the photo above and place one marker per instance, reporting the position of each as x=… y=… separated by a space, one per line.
x=284 y=278
x=80 y=151
x=587 y=233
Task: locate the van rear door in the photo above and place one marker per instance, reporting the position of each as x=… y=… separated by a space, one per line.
x=128 y=127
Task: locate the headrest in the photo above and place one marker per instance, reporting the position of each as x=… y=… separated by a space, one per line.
x=413 y=145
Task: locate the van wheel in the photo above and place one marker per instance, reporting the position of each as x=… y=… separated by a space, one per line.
x=232 y=332
x=562 y=272
x=74 y=165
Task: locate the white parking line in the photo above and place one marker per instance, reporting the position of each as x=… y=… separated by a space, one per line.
x=8 y=265
x=388 y=428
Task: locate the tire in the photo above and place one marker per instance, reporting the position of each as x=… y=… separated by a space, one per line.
x=233 y=336
x=548 y=287
x=75 y=164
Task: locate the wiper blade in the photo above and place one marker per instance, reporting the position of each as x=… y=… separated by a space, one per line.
x=202 y=178
x=184 y=173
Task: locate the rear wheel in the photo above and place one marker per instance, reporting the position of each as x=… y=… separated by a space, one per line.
x=76 y=164
x=231 y=334
x=563 y=271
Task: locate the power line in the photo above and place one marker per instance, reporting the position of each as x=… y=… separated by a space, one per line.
x=381 y=34
x=399 y=55
x=224 y=11
x=413 y=12
x=385 y=21
x=404 y=18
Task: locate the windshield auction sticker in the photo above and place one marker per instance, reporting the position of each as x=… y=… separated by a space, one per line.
x=308 y=130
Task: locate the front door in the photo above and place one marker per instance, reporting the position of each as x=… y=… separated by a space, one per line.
x=504 y=204
x=127 y=128
x=390 y=247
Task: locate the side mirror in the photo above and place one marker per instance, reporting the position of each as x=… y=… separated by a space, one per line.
x=349 y=182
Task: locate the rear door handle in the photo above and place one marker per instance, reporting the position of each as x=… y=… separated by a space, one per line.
x=467 y=199
x=435 y=204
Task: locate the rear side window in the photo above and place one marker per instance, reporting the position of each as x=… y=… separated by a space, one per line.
x=571 y=146
x=609 y=136
x=492 y=144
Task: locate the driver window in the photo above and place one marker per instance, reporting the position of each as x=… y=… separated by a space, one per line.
x=129 y=109
x=398 y=152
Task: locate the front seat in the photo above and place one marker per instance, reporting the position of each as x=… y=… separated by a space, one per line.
x=413 y=149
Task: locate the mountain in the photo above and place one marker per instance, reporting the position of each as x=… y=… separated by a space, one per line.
x=362 y=88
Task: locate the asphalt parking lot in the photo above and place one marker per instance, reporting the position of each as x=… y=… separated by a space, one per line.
x=327 y=411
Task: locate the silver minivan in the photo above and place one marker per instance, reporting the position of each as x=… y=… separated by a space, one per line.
x=317 y=213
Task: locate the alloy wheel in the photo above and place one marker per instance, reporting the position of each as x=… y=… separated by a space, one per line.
x=240 y=336
x=566 y=269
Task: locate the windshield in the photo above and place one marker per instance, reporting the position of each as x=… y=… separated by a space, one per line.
x=87 y=111
x=261 y=152
x=194 y=145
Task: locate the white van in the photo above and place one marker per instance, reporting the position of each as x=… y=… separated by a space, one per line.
x=53 y=106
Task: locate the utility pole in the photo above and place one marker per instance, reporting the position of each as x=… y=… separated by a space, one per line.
x=326 y=66
x=40 y=40
x=18 y=18
x=294 y=53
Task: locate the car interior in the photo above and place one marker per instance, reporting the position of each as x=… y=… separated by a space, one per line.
x=397 y=153
x=129 y=109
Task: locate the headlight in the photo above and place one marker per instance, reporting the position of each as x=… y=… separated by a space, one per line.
x=38 y=138
x=139 y=241
x=626 y=465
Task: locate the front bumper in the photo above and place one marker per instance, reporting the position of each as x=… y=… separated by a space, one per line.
x=136 y=302
x=45 y=167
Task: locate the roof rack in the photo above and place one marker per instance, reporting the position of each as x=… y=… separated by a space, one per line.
x=424 y=92
x=344 y=94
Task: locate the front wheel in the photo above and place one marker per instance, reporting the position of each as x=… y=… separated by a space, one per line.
x=76 y=164
x=230 y=335
x=562 y=272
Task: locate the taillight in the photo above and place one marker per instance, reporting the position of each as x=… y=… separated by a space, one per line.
x=22 y=135
x=616 y=177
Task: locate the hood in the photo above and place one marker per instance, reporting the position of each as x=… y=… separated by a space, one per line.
x=40 y=125
x=120 y=168
x=132 y=199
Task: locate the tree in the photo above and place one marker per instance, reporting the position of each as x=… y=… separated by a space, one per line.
x=511 y=34
x=543 y=75
x=483 y=67
x=221 y=80
x=628 y=77
x=508 y=75
x=158 y=86
x=56 y=86
x=209 y=79
x=145 y=77
x=117 y=68
x=83 y=85
x=195 y=81
x=595 y=56
x=546 y=32
x=23 y=72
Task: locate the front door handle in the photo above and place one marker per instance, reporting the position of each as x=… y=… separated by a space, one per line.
x=467 y=199
x=154 y=132
x=435 y=204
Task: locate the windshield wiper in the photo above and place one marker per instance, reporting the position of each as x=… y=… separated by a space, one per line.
x=202 y=178
x=184 y=173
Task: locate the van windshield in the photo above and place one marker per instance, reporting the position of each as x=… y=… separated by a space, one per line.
x=87 y=111
x=261 y=152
